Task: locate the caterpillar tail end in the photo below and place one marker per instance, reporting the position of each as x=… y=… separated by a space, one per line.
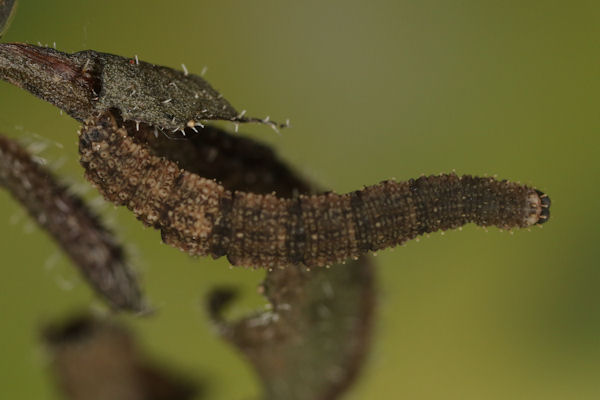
x=540 y=208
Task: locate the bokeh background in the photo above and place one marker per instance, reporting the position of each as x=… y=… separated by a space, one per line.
x=374 y=90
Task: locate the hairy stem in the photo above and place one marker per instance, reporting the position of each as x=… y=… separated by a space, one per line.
x=91 y=247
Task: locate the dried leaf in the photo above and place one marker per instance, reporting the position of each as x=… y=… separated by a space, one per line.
x=91 y=247
x=88 y=82
x=96 y=359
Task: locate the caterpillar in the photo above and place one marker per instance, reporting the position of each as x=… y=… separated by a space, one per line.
x=202 y=217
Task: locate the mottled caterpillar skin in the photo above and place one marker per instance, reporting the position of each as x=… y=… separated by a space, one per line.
x=201 y=217
x=235 y=161
x=78 y=231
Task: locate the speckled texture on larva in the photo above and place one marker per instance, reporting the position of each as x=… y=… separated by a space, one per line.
x=201 y=217
x=236 y=162
x=78 y=231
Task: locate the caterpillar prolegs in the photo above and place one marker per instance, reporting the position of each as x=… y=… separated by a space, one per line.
x=202 y=217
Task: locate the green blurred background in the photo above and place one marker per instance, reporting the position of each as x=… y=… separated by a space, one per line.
x=388 y=89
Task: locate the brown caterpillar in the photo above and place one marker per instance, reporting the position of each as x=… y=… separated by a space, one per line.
x=201 y=217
